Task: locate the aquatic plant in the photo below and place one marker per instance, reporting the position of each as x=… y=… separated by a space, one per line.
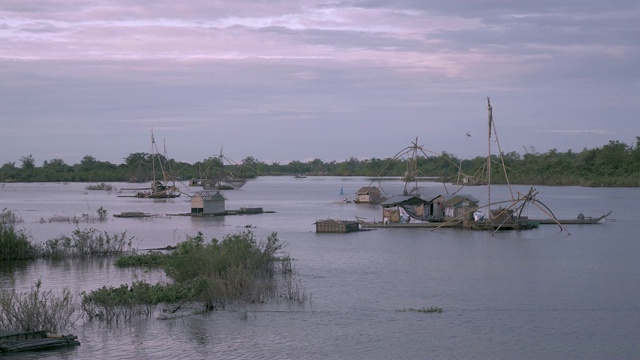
x=102 y=213
x=422 y=310
x=111 y=303
x=150 y=259
x=86 y=242
x=14 y=243
x=236 y=269
x=99 y=186
x=8 y=217
x=37 y=309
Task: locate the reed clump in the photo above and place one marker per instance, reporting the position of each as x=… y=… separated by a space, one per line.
x=87 y=242
x=99 y=186
x=14 y=243
x=237 y=269
x=37 y=310
x=113 y=303
x=101 y=215
x=432 y=309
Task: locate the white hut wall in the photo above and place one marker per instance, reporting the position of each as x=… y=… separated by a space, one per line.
x=214 y=207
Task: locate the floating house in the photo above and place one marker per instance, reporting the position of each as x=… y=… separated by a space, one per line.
x=460 y=207
x=368 y=195
x=208 y=202
x=399 y=209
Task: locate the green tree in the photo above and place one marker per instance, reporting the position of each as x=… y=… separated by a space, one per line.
x=28 y=162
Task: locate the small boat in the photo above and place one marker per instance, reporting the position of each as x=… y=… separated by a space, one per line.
x=159 y=189
x=343 y=201
x=581 y=219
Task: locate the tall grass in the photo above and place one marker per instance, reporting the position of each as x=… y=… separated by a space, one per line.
x=37 y=310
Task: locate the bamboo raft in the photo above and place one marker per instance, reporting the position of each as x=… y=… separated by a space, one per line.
x=15 y=341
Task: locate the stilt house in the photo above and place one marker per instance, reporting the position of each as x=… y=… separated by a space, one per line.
x=208 y=202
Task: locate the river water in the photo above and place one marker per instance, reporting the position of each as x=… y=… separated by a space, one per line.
x=536 y=294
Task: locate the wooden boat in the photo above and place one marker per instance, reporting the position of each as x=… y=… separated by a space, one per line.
x=159 y=189
x=15 y=341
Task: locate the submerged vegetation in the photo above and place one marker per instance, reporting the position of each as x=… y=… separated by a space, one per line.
x=614 y=164
x=86 y=243
x=100 y=186
x=15 y=244
x=422 y=310
x=212 y=273
x=101 y=215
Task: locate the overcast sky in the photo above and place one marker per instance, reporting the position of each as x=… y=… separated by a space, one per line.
x=298 y=80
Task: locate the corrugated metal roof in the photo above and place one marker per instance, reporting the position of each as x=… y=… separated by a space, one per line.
x=456 y=199
x=210 y=195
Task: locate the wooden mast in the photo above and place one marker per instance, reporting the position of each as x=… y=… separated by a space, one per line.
x=489 y=217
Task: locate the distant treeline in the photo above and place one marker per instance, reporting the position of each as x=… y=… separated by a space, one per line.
x=614 y=164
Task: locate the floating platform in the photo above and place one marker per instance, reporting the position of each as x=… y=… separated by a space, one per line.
x=400 y=225
x=337 y=226
x=134 y=214
x=241 y=211
x=15 y=341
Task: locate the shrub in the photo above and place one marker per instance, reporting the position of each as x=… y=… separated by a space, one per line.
x=87 y=242
x=151 y=259
x=37 y=310
x=14 y=243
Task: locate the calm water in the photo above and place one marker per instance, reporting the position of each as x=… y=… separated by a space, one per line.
x=539 y=294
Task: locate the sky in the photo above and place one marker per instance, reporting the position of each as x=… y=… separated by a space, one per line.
x=282 y=80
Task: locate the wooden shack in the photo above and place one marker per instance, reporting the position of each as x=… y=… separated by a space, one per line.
x=402 y=207
x=460 y=207
x=336 y=226
x=368 y=195
x=436 y=208
x=208 y=202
